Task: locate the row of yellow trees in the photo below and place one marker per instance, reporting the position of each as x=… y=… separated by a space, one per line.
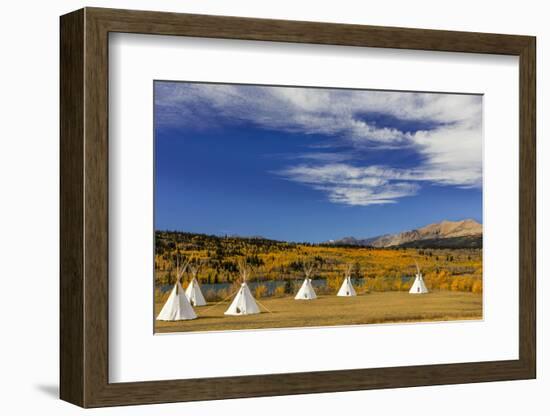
x=372 y=269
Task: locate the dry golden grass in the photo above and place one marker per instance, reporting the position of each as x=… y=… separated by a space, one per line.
x=377 y=307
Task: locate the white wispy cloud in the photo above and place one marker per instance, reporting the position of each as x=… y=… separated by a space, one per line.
x=353 y=185
x=449 y=149
x=329 y=157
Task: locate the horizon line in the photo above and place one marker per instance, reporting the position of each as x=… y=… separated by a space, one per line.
x=328 y=241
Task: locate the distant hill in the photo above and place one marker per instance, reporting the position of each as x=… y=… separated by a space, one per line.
x=470 y=241
x=446 y=234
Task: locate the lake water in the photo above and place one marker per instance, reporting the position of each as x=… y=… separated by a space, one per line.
x=271 y=285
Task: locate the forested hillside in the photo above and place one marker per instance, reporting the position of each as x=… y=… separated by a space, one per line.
x=374 y=269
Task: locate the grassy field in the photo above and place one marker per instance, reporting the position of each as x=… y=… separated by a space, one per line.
x=376 y=307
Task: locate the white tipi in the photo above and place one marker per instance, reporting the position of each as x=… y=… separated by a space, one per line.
x=193 y=291
x=243 y=303
x=177 y=307
x=418 y=286
x=306 y=291
x=347 y=288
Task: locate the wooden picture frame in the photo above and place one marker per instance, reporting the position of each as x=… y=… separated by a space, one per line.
x=84 y=207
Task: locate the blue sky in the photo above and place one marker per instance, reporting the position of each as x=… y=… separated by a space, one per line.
x=310 y=164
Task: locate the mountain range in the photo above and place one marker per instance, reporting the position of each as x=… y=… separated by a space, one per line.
x=446 y=234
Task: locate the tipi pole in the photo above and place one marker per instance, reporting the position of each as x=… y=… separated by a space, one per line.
x=263 y=306
x=221 y=301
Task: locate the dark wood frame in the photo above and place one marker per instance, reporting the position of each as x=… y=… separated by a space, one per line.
x=84 y=207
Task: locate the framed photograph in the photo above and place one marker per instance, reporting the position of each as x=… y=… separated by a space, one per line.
x=257 y=207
